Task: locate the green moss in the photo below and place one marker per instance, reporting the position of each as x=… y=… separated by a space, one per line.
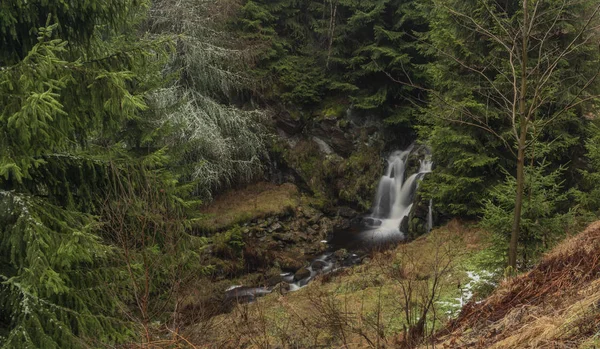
x=331 y=109
x=360 y=173
x=228 y=244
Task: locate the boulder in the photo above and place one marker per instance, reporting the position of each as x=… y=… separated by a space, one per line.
x=318 y=265
x=287 y=238
x=404 y=225
x=303 y=273
x=335 y=137
x=276 y=227
x=346 y=212
x=341 y=254
x=273 y=280
x=289 y=124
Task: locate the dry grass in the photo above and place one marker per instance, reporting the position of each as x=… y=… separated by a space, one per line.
x=359 y=307
x=555 y=305
x=255 y=201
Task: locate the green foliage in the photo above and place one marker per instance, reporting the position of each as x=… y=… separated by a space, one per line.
x=588 y=193
x=312 y=49
x=52 y=271
x=72 y=107
x=476 y=80
x=542 y=221
x=463 y=172
x=212 y=143
x=229 y=244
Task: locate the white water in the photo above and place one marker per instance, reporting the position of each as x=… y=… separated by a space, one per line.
x=430 y=216
x=394 y=197
x=393 y=202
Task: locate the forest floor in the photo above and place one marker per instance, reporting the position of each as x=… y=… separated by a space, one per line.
x=554 y=305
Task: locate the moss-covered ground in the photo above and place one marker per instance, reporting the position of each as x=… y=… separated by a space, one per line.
x=255 y=201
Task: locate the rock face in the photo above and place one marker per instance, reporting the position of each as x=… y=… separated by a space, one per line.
x=288 y=123
x=332 y=153
x=334 y=136
x=416 y=222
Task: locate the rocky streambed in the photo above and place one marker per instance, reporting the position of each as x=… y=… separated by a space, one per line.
x=288 y=250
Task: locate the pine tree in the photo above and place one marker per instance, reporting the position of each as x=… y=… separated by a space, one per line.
x=376 y=46
x=213 y=143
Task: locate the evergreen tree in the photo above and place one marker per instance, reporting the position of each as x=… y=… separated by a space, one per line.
x=213 y=143
x=318 y=53
x=519 y=72
x=73 y=78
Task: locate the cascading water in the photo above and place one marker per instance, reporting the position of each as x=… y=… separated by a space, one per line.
x=394 y=198
x=430 y=216
x=393 y=201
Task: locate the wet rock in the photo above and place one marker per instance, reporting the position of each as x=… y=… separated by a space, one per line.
x=303 y=273
x=404 y=225
x=288 y=123
x=316 y=249
x=346 y=212
x=341 y=254
x=318 y=265
x=283 y=287
x=326 y=225
x=371 y=222
x=285 y=238
x=335 y=137
x=288 y=261
x=342 y=224
x=273 y=280
x=417 y=218
x=414 y=160
x=314 y=216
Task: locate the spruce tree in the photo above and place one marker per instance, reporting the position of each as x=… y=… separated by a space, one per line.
x=521 y=74
x=72 y=83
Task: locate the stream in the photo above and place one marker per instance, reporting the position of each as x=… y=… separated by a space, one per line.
x=379 y=228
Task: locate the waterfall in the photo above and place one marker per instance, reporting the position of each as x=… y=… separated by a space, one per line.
x=393 y=201
x=430 y=216
x=394 y=197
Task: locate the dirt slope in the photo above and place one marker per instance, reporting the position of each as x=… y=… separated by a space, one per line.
x=555 y=305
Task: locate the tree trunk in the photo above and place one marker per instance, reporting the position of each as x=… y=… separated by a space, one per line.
x=514 y=236
x=523 y=120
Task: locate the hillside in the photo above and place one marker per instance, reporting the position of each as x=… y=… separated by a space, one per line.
x=555 y=305
x=357 y=307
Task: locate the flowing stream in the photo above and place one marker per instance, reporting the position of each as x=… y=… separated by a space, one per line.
x=393 y=202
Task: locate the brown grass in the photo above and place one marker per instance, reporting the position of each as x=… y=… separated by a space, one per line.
x=555 y=305
x=346 y=309
x=255 y=201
